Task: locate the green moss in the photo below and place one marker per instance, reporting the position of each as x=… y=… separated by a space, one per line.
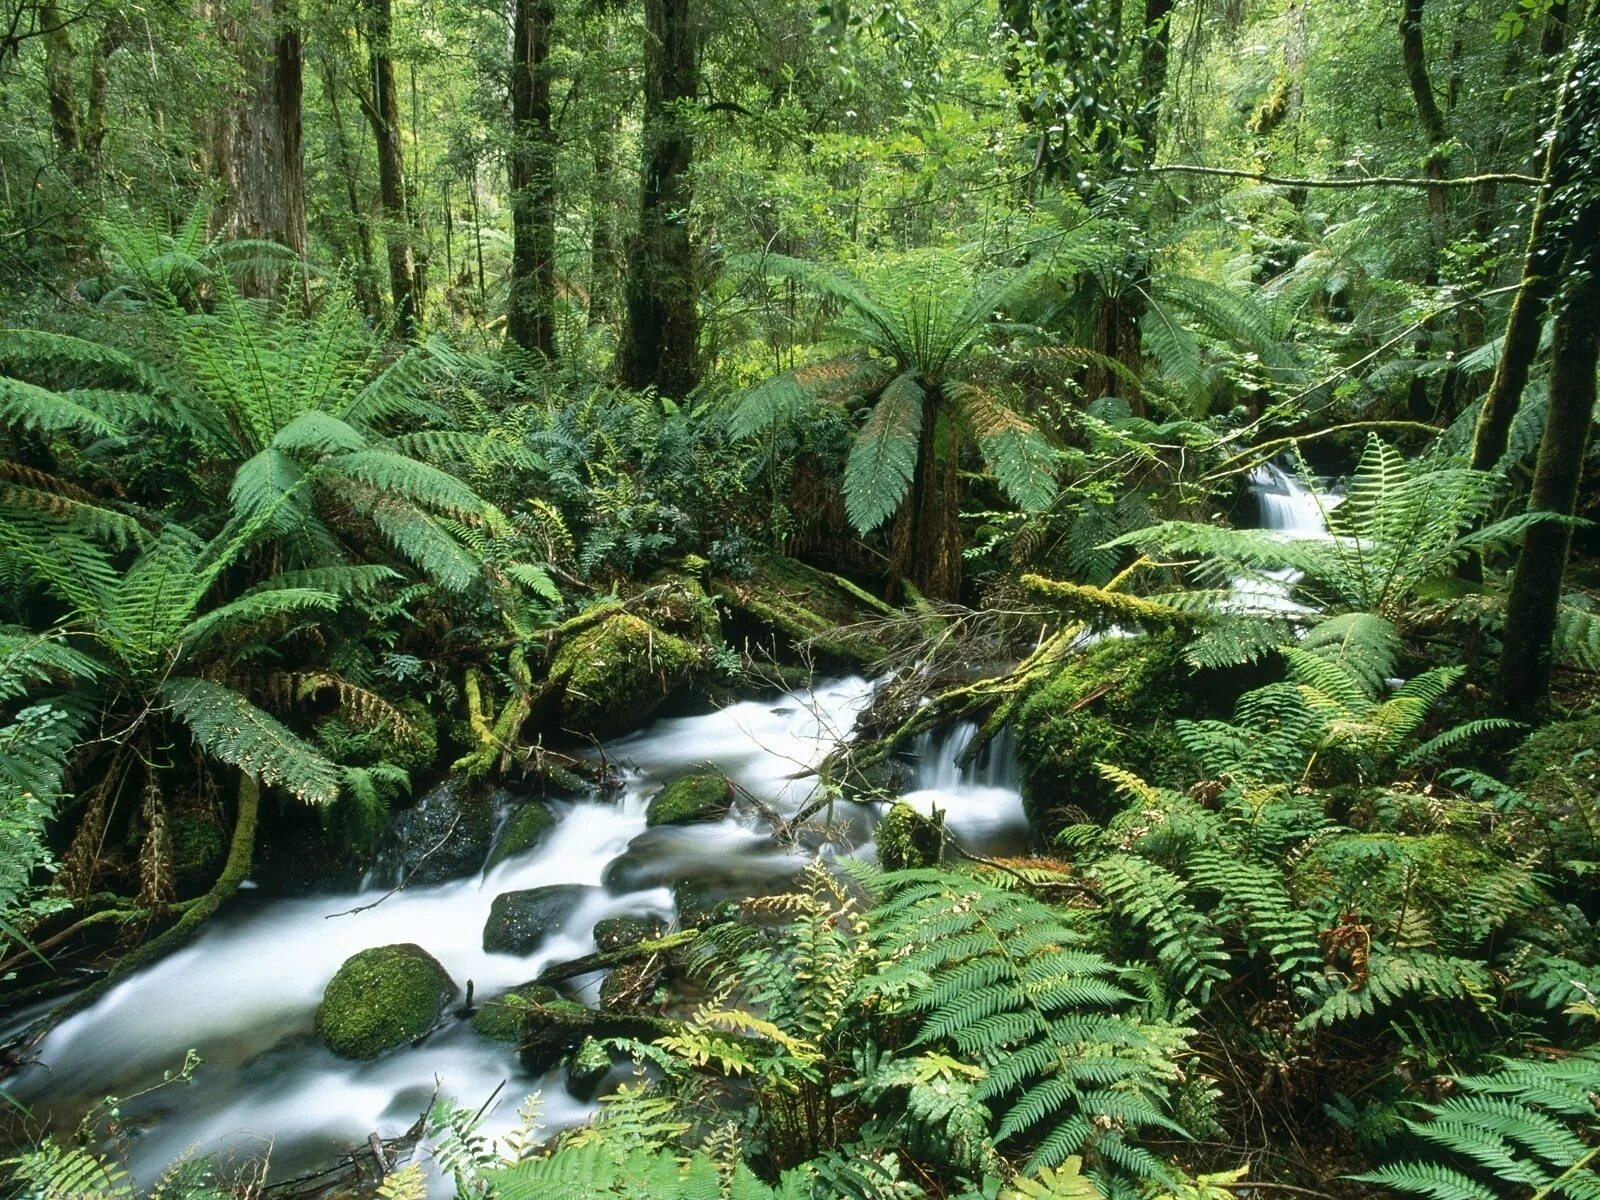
x=794 y=605
x=617 y=672
x=198 y=850
x=906 y=838
x=382 y=998
x=526 y=830
x=500 y=1019
x=702 y=797
x=680 y=604
x=1115 y=703
x=1560 y=761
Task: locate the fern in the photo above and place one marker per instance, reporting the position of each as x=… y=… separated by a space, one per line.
x=231 y=729
x=1154 y=900
x=1530 y=1128
x=1011 y=985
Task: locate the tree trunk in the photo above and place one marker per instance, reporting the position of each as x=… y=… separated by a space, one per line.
x=1532 y=606
x=1548 y=236
x=269 y=199
x=349 y=167
x=60 y=87
x=530 y=315
x=603 y=231
x=1414 y=60
x=662 y=345
x=926 y=539
x=382 y=108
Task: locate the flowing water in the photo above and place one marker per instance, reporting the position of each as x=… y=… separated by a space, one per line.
x=1290 y=510
x=244 y=992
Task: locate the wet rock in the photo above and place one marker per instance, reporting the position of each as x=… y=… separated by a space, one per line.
x=587 y=1070
x=617 y=672
x=445 y=835
x=500 y=1019
x=382 y=998
x=706 y=900
x=520 y=922
x=551 y=1032
x=526 y=830
x=703 y=797
x=629 y=929
x=678 y=602
x=633 y=984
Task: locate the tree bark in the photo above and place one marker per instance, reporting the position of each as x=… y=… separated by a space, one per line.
x=60 y=86
x=662 y=348
x=926 y=538
x=349 y=167
x=1414 y=60
x=1548 y=237
x=268 y=174
x=603 y=230
x=382 y=108
x=530 y=315
x=1534 y=602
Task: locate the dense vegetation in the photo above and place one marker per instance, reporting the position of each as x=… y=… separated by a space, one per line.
x=392 y=392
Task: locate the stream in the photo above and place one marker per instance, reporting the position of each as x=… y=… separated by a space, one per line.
x=243 y=993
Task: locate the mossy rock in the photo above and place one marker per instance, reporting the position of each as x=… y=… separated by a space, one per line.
x=680 y=604
x=199 y=848
x=522 y=921
x=500 y=1019
x=382 y=998
x=703 y=901
x=1380 y=874
x=1115 y=703
x=1558 y=765
x=692 y=798
x=587 y=1069
x=905 y=838
x=797 y=611
x=551 y=1032
x=617 y=672
x=526 y=830
x=628 y=929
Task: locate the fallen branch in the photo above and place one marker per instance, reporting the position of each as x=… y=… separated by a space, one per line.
x=1400 y=181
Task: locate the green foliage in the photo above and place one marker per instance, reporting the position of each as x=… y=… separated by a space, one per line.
x=1527 y=1129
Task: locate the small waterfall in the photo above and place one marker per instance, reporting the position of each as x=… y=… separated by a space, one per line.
x=939 y=754
x=1289 y=510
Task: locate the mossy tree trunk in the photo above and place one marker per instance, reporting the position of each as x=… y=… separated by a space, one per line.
x=926 y=538
x=1532 y=607
x=662 y=348
x=530 y=316
x=381 y=104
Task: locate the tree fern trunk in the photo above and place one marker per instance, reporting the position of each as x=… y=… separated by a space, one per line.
x=928 y=529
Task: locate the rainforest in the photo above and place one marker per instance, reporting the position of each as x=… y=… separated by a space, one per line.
x=799 y=600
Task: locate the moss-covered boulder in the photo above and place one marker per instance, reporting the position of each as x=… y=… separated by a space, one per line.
x=551 y=1032
x=617 y=671
x=199 y=848
x=675 y=599
x=500 y=1019
x=628 y=929
x=1115 y=703
x=520 y=922
x=703 y=797
x=382 y=998
x=587 y=1070
x=796 y=611
x=1558 y=765
x=704 y=900
x=525 y=830
x=905 y=838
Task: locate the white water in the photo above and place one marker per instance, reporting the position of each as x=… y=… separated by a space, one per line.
x=244 y=993
x=1291 y=511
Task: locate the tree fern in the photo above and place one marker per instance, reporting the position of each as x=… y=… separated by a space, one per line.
x=231 y=729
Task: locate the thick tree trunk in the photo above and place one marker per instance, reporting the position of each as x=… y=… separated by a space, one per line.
x=1414 y=61
x=926 y=538
x=603 y=230
x=268 y=173
x=382 y=108
x=530 y=315
x=662 y=348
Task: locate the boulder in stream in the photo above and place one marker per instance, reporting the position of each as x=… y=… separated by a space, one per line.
x=617 y=672
x=521 y=921
x=500 y=1019
x=445 y=835
x=382 y=998
x=702 y=797
x=627 y=929
x=525 y=830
